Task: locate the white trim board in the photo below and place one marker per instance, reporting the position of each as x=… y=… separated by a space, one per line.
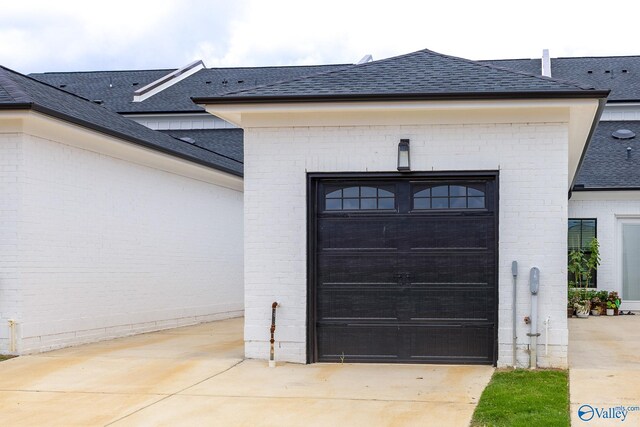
x=620 y=221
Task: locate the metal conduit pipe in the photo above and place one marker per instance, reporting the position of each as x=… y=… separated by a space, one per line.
x=534 y=284
x=12 y=336
x=272 y=360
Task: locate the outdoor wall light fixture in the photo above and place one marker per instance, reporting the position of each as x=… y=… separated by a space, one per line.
x=404 y=162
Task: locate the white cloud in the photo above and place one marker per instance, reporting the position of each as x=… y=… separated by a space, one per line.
x=72 y=35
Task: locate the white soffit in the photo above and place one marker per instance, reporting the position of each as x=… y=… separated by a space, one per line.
x=580 y=115
x=169 y=80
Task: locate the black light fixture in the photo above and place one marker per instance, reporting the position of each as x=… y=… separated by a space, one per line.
x=404 y=162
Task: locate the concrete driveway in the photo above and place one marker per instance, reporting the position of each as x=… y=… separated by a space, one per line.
x=197 y=376
x=604 y=369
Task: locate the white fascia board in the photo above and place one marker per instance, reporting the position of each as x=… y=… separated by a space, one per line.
x=53 y=129
x=579 y=114
x=171 y=79
x=248 y=115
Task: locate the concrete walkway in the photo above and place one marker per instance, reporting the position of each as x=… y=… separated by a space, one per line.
x=197 y=376
x=604 y=368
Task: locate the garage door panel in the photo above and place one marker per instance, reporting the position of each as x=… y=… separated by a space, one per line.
x=358 y=302
x=454 y=343
x=453 y=267
x=357 y=233
x=452 y=302
x=358 y=342
x=355 y=268
x=450 y=233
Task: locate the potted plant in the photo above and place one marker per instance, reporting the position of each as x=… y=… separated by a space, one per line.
x=610 y=306
x=595 y=305
x=615 y=299
x=577 y=266
x=572 y=299
x=582 y=267
x=603 y=296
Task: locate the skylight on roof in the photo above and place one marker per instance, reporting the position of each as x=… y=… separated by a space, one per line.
x=623 y=134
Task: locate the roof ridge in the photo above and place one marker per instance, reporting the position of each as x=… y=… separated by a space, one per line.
x=596 y=57
x=563 y=85
x=521 y=73
x=299 y=78
x=102 y=71
x=348 y=66
x=277 y=66
x=509 y=59
x=173 y=69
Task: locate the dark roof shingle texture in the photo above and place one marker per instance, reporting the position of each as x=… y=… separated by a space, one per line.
x=22 y=92
x=620 y=74
x=116 y=88
x=606 y=164
x=422 y=72
x=226 y=142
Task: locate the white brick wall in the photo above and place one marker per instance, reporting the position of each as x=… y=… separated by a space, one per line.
x=107 y=247
x=606 y=207
x=11 y=178
x=532 y=159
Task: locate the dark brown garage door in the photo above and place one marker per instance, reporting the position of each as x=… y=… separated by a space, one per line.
x=403 y=269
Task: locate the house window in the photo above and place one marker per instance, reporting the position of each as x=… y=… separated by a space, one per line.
x=581 y=232
x=449 y=197
x=360 y=198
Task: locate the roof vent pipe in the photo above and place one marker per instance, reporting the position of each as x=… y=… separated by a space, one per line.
x=546 y=63
x=628 y=153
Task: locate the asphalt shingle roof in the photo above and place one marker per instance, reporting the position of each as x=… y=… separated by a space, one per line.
x=620 y=74
x=116 y=88
x=227 y=142
x=419 y=74
x=21 y=92
x=606 y=164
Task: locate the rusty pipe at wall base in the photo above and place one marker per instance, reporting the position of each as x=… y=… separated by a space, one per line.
x=272 y=360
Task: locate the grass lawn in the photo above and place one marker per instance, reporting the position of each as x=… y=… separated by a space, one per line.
x=524 y=398
x=4 y=357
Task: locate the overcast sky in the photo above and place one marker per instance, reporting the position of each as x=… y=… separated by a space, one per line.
x=62 y=35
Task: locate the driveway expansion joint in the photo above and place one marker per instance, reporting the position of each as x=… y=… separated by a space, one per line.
x=175 y=393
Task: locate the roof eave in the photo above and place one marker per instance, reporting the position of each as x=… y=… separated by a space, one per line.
x=602 y=102
x=466 y=96
x=111 y=132
x=16 y=106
